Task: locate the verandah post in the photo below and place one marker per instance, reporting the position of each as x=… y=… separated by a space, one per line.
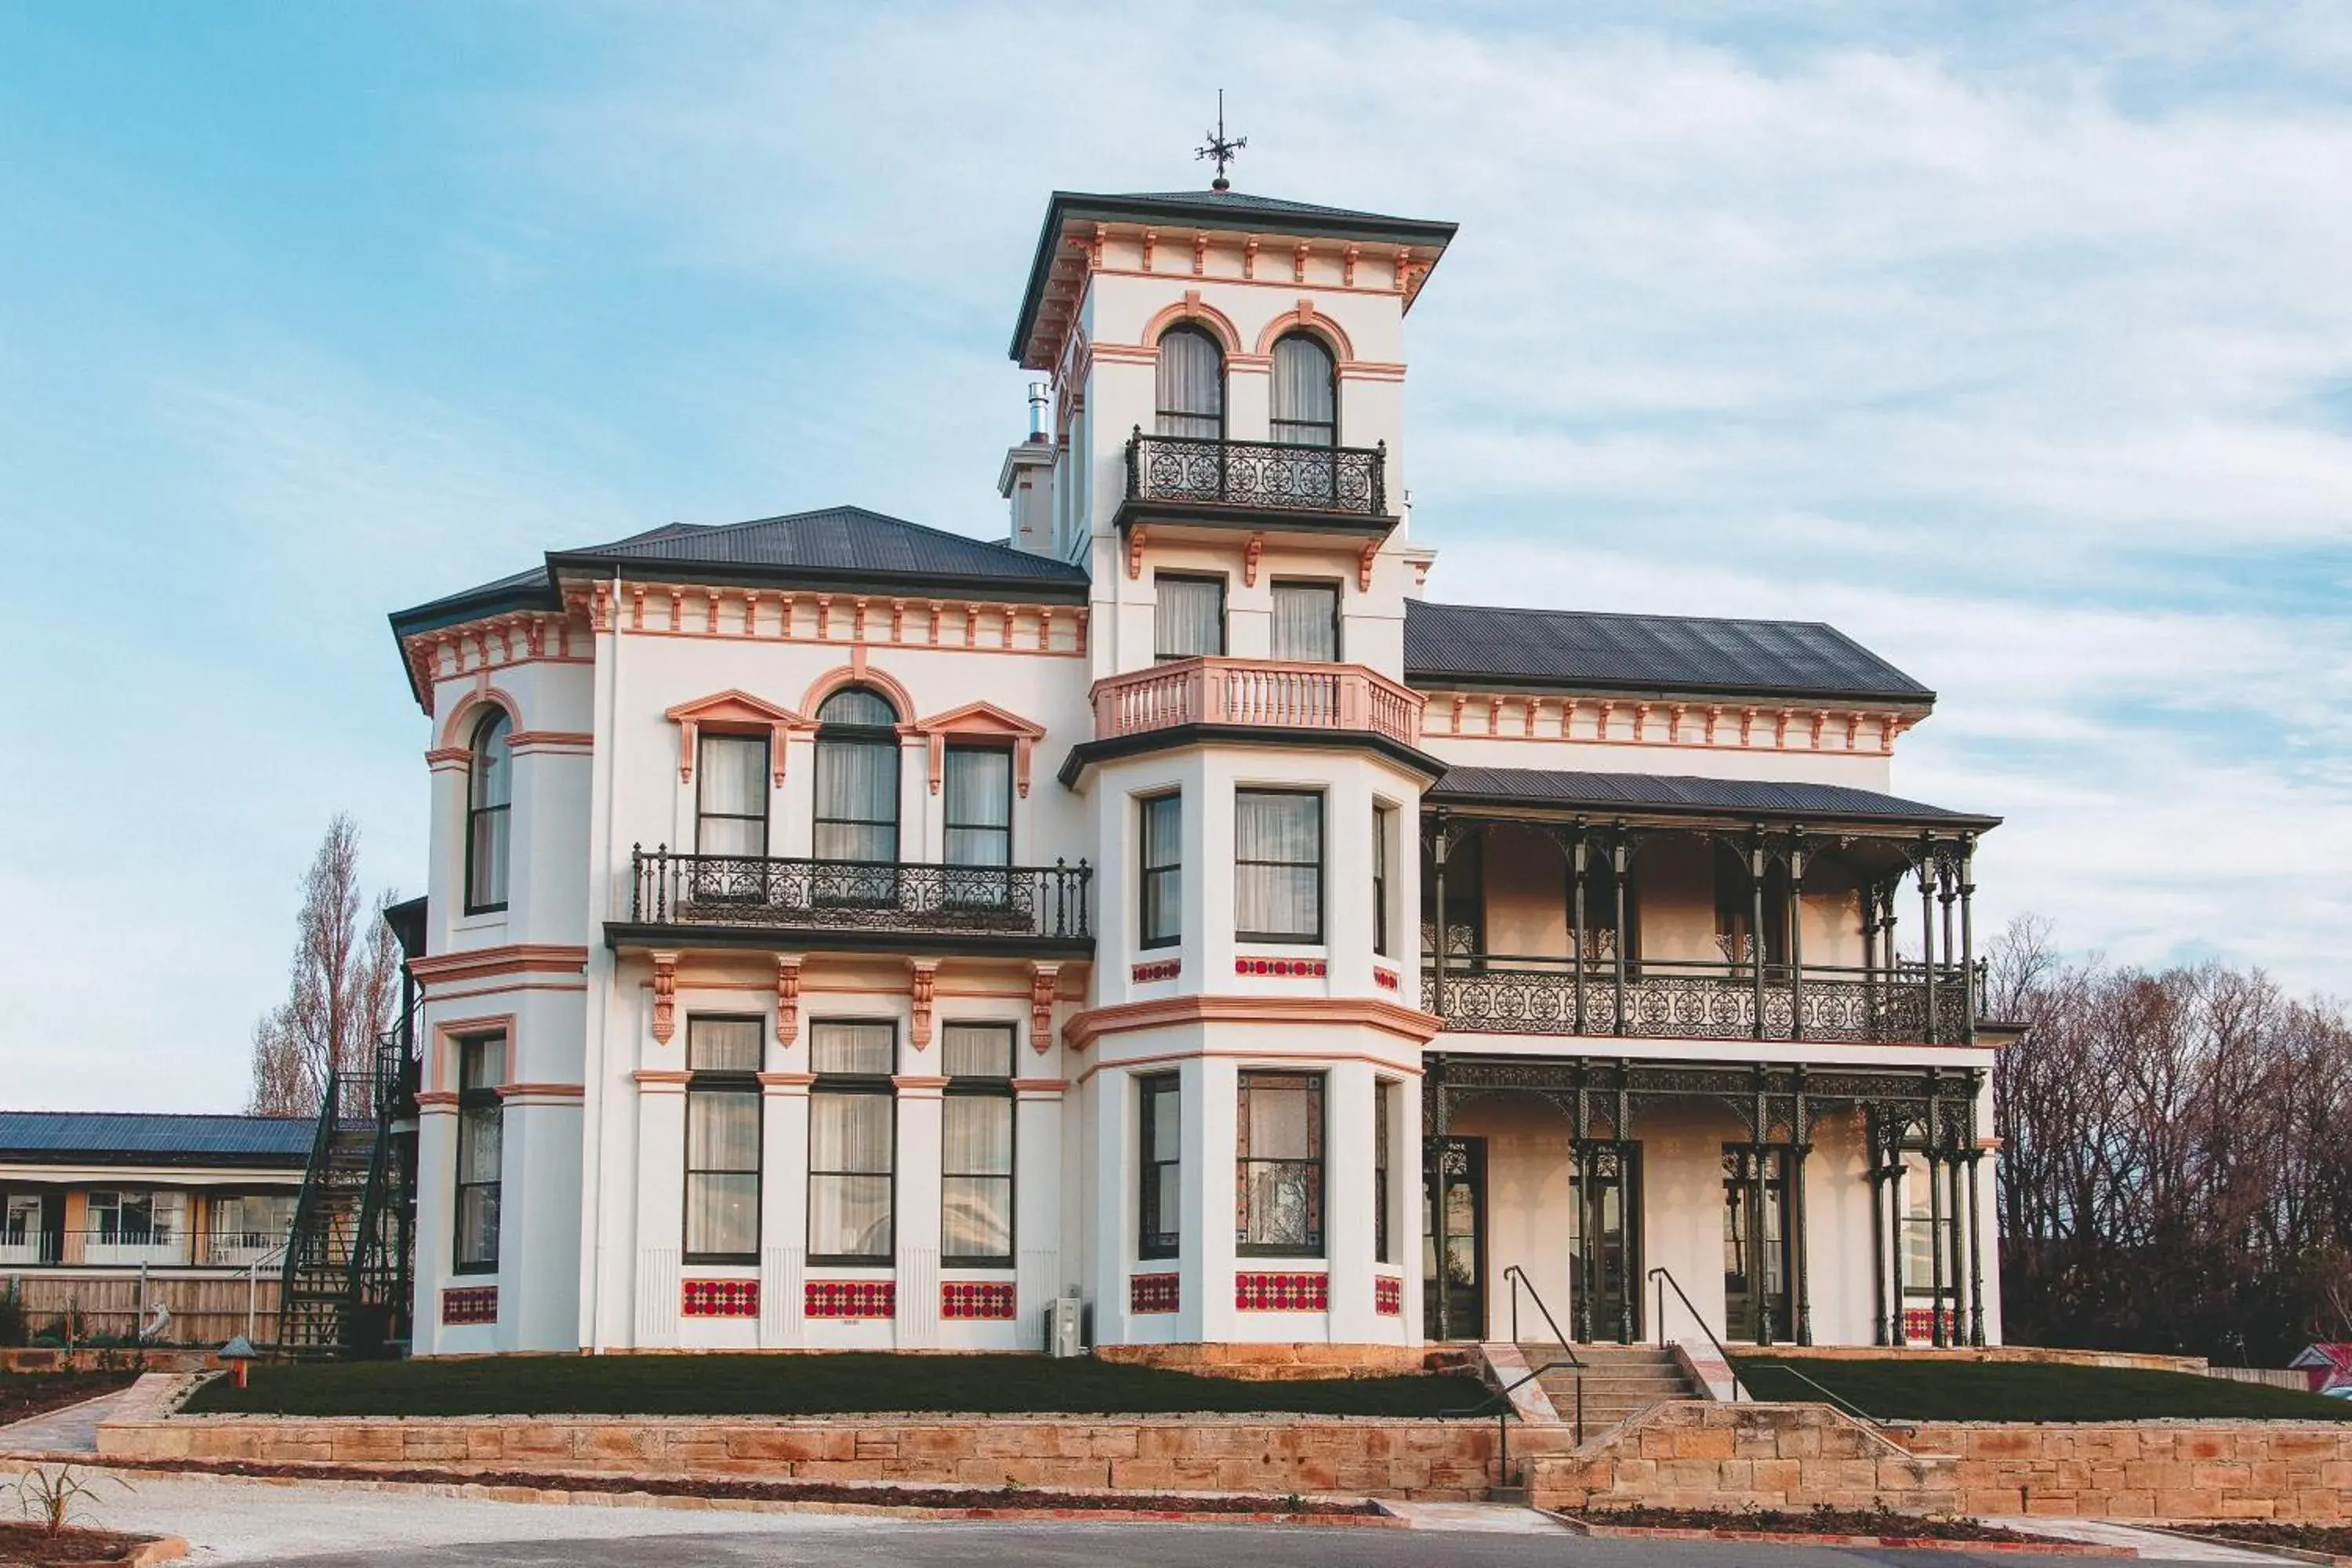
x=1755 y=924
x=1927 y=939
x=1797 y=941
x=1577 y=857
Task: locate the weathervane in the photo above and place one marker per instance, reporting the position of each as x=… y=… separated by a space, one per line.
x=1219 y=151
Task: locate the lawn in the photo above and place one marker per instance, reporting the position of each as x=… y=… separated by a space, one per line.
x=1903 y=1389
x=844 y=1383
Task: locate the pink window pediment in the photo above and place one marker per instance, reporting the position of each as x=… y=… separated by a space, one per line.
x=732 y=713
x=981 y=723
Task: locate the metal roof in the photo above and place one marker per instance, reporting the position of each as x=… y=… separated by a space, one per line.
x=1474 y=643
x=1226 y=210
x=847 y=541
x=131 y=1138
x=1679 y=794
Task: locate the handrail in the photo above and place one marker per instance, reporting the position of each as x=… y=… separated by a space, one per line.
x=1506 y=1410
x=1519 y=1277
x=1664 y=1278
x=330 y=1113
x=1835 y=1398
x=253 y=1290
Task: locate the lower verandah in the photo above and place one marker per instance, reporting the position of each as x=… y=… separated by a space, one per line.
x=1881 y=1239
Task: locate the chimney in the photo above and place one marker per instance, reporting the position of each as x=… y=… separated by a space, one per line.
x=1026 y=480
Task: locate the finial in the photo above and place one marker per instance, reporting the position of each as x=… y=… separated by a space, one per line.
x=1219 y=151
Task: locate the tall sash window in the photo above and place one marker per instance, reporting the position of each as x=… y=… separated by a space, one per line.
x=1306 y=621
x=1277 y=865
x=730 y=796
x=722 y=1140
x=852 y=1142
x=1162 y=871
x=1189 y=620
x=1160 y=1225
x=481 y=1127
x=857 y=817
x=1191 y=399
x=1306 y=395
x=978 y=787
x=489 y=795
x=976 y=1146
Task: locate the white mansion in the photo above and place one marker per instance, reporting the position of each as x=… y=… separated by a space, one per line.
x=845 y=934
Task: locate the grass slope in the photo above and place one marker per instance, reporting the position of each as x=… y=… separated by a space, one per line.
x=843 y=1384
x=1900 y=1389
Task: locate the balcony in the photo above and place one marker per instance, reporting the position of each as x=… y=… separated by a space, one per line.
x=767 y=902
x=1257 y=694
x=152 y=1246
x=1196 y=478
x=1692 y=1000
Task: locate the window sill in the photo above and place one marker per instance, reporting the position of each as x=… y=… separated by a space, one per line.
x=1281 y=1255
x=849 y=1260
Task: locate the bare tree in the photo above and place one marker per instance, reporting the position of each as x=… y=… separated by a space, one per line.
x=342 y=987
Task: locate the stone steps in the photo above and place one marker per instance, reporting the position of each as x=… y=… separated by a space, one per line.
x=1617 y=1381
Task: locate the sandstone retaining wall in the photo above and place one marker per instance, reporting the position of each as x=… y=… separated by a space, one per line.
x=1774 y=1457
x=1287 y=1362
x=2178 y=1470
x=1434 y=1460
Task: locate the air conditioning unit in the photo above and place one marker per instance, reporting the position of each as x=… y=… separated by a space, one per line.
x=1066 y=1327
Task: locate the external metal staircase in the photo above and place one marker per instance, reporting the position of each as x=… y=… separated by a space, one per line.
x=344 y=1288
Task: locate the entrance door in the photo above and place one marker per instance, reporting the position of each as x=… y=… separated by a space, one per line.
x=1605 y=1254
x=1755 y=1244
x=1454 y=1228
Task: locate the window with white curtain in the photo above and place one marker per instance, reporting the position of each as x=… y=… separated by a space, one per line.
x=481 y=1128
x=1191 y=399
x=1306 y=621
x=1189 y=617
x=1306 y=395
x=976 y=1146
x=856 y=816
x=489 y=795
x=979 y=826
x=1383 y=1198
x=853 y=1140
x=1162 y=871
x=1277 y=865
x=722 y=1140
x=730 y=796
x=1383 y=824
x=1278 y=1182
x=1160 y=1224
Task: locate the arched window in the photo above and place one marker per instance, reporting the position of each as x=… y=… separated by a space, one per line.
x=489 y=794
x=857 y=796
x=1306 y=393
x=1192 y=384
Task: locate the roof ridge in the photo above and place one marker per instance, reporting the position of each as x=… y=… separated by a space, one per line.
x=173 y=1115
x=1624 y=614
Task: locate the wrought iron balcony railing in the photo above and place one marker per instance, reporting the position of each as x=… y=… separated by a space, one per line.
x=1694 y=1000
x=1258 y=693
x=1258 y=475
x=887 y=897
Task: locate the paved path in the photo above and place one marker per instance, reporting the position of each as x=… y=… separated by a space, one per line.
x=2153 y=1545
x=74 y=1429
x=231 y=1521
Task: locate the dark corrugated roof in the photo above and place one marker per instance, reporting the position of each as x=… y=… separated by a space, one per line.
x=1682 y=794
x=846 y=541
x=137 y=1137
x=1475 y=643
x=1209 y=209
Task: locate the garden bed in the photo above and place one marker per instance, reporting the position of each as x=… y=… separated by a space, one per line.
x=24 y=1395
x=1899 y=1388
x=827 y=1384
x=1824 y=1527
x=2316 y=1542
x=31 y=1545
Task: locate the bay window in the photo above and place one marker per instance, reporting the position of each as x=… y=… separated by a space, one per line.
x=976 y=1146
x=852 y=1142
x=1160 y=1222
x=489 y=798
x=1277 y=865
x=481 y=1127
x=1162 y=871
x=1278 y=1172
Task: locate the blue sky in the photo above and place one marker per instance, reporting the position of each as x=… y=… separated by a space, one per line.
x=2011 y=339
